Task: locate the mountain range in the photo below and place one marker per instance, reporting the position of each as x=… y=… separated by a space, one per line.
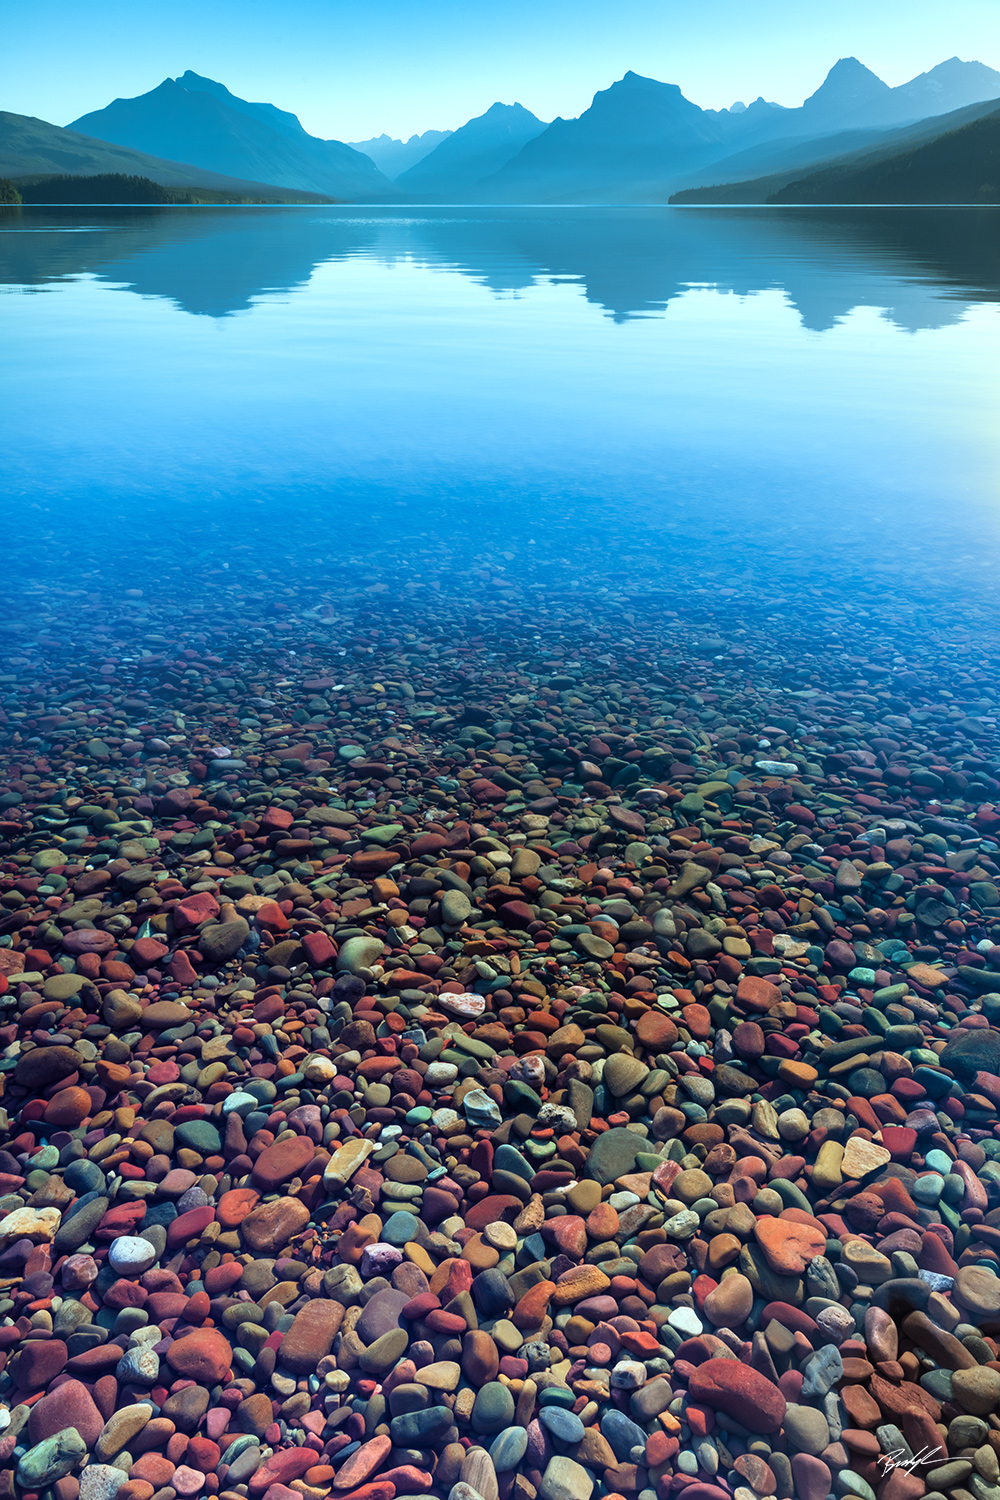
x=640 y=140
x=961 y=165
x=393 y=157
x=195 y=119
x=31 y=148
x=949 y=158
x=473 y=153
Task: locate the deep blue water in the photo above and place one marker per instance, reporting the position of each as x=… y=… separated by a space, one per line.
x=687 y=379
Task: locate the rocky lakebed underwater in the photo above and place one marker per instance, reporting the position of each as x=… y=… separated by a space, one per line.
x=498 y=1005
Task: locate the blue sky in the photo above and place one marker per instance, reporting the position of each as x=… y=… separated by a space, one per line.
x=353 y=70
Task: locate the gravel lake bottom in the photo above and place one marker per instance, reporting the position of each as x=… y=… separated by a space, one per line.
x=499 y=856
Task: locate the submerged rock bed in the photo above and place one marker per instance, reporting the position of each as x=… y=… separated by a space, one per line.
x=488 y=1052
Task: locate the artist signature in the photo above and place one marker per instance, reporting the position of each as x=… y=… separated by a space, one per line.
x=897 y=1459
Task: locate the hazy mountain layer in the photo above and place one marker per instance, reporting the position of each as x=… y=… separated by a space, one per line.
x=479 y=148
x=195 y=119
x=641 y=139
x=844 y=172
x=960 y=166
x=393 y=157
x=29 y=147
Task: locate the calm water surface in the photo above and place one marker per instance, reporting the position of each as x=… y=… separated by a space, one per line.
x=688 y=376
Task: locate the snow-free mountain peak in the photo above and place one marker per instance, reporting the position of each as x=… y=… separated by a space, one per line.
x=195 y=119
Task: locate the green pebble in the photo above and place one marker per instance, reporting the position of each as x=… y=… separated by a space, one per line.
x=51 y=1459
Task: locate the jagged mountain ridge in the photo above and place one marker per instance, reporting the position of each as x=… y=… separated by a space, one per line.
x=479 y=148
x=852 y=164
x=392 y=157
x=640 y=139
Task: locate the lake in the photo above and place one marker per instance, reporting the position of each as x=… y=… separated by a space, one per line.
x=487 y=698
x=784 y=379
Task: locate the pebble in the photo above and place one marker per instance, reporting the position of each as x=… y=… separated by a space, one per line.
x=552 y=1094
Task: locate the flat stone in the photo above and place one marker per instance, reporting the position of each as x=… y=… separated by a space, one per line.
x=311 y=1336
x=614 y=1154
x=862 y=1157
x=564 y=1479
x=203 y=1355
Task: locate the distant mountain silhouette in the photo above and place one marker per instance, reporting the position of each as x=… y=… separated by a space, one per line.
x=850 y=94
x=641 y=140
x=959 y=166
x=898 y=166
x=629 y=262
x=195 y=119
x=270 y=114
x=30 y=147
x=393 y=157
x=636 y=134
x=778 y=160
x=852 y=97
x=948 y=87
x=476 y=150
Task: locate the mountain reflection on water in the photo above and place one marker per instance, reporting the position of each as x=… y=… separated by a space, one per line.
x=612 y=388
x=921 y=267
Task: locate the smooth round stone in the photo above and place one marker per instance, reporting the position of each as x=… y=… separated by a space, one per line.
x=565 y=1426
x=811 y=1477
x=508 y=1449
x=84 y=1176
x=358 y=954
x=927 y=1188
x=440 y=1074
x=977 y=1390
x=628 y=1375
x=848 y=1482
x=807 y=1429
x=131 y=1255
x=239 y=1103
x=385 y=1351
x=621 y=1201
x=622 y=1433
x=501 y=1236
x=400 y=1228
x=556 y=1395
x=686 y=1321
x=200 y=1136
x=187 y=1482
x=493 y=1408
x=729 y=1304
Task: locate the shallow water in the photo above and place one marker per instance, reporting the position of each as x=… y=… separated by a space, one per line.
x=576 y=629
x=793 y=379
